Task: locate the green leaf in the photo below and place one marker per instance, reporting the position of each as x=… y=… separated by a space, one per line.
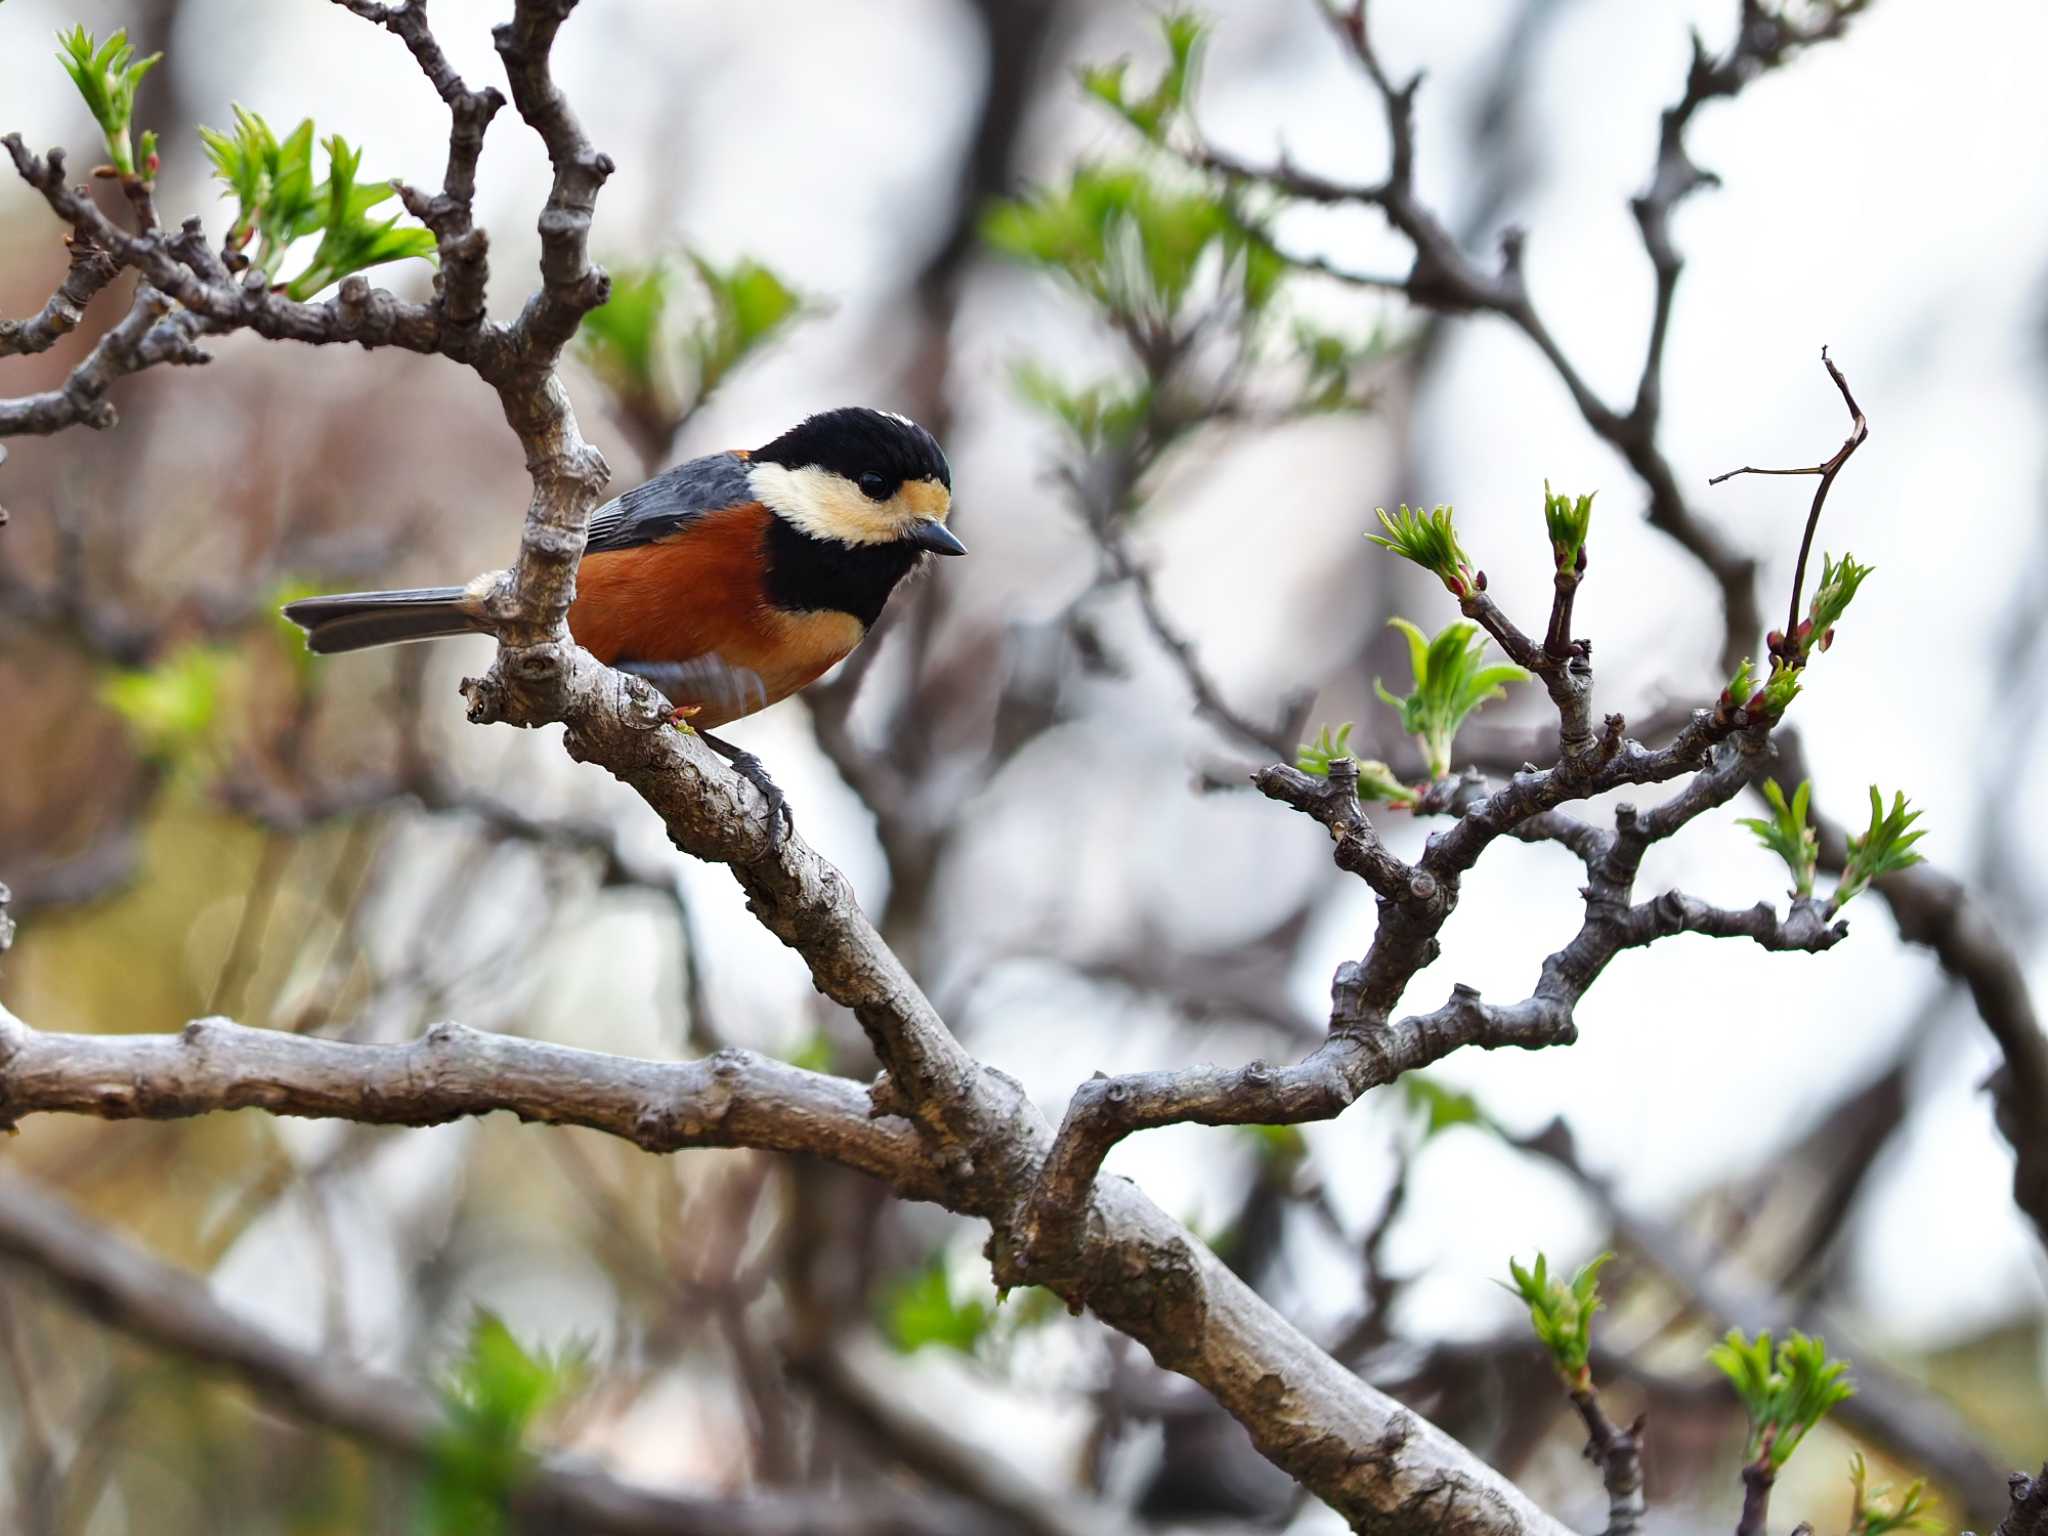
x=1316 y=756
x=106 y=75
x=1441 y=1108
x=921 y=1309
x=1831 y=598
x=690 y=311
x=1376 y=780
x=1786 y=1392
x=350 y=242
x=1152 y=113
x=173 y=708
x=1788 y=833
x=494 y=1395
x=814 y=1054
x=1781 y=690
x=749 y=305
x=1741 y=687
x=1329 y=362
x=1282 y=1148
x=1877 y=1512
x=1566 y=521
x=1449 y=684
x=1132 y=244
x=1430 y=540
x=1562 y=1314
x=1104 y=415
x=1881 y=848
x=272 y=183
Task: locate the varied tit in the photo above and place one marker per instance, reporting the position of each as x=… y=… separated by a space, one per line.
x=728 y=582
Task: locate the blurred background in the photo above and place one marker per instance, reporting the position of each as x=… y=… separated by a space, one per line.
x=194 y=819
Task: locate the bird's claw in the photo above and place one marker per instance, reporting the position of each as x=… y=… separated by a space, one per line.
x=782 y=820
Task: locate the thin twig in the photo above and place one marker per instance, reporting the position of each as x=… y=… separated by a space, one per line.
x=1827 y=469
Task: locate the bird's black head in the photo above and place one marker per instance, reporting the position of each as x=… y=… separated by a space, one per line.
x=860 y=477
x=854 y=442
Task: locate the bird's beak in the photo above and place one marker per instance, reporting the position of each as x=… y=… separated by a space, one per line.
x=931 y=534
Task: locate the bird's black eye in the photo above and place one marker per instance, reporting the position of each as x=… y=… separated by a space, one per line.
x=875 y=487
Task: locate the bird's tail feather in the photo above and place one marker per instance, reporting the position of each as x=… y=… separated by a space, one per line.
x=355 y=621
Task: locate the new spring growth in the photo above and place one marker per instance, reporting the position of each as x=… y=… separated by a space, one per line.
x=279 y=203
x=1431 y=542
x=1839 y=581
x=1153 y=113
x=1376 y=780
x=1566 y=520
x=1562 y=1314
x=106 y=75
x=1881 y=848
x=1876 y=1512
x=1449 y=684
x=1788 y=833
x=1786 y=1391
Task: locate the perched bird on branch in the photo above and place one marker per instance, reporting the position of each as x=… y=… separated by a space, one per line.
x=728 y=582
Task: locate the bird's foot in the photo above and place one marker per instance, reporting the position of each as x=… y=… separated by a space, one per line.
x=749 y=767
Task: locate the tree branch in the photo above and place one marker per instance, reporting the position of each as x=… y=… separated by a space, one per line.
x=733 y=1099
x=167 y=1308
x=1619 y=1455
x=91 y=270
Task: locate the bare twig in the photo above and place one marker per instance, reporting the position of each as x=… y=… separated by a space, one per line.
x=1619 y=1455
x=90 y=271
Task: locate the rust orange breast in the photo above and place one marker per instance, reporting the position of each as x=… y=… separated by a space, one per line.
x=697 y=595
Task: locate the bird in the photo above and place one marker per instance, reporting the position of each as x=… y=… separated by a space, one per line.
x=728 y=582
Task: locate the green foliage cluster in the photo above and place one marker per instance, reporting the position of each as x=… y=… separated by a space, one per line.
x=1878 y=1512
x=1154 y=112
x=1881 y=848
x=1786 y=1390
x=713 y=317
x=1837 y=588
x=1440 y=1108
x=1839 y=582
x=1281 y=1148
x=494 y=1396
x=173 y=709
x=924 y=1308
x=1449 y=684
x=278 y=204
x=1133 y=244
x=927 y=1307
x=1330 y=362
x=1430 y=539
x=1561 y=1313
x=1096 y=416
x=1788 y=833
x=1376 y=781
x=1566 y=521
x=106 y=75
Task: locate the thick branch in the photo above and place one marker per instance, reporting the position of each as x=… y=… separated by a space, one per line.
x=118 y=1283
x=731 y=1099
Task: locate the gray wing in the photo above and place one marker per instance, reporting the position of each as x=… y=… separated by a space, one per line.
x=669 y=502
